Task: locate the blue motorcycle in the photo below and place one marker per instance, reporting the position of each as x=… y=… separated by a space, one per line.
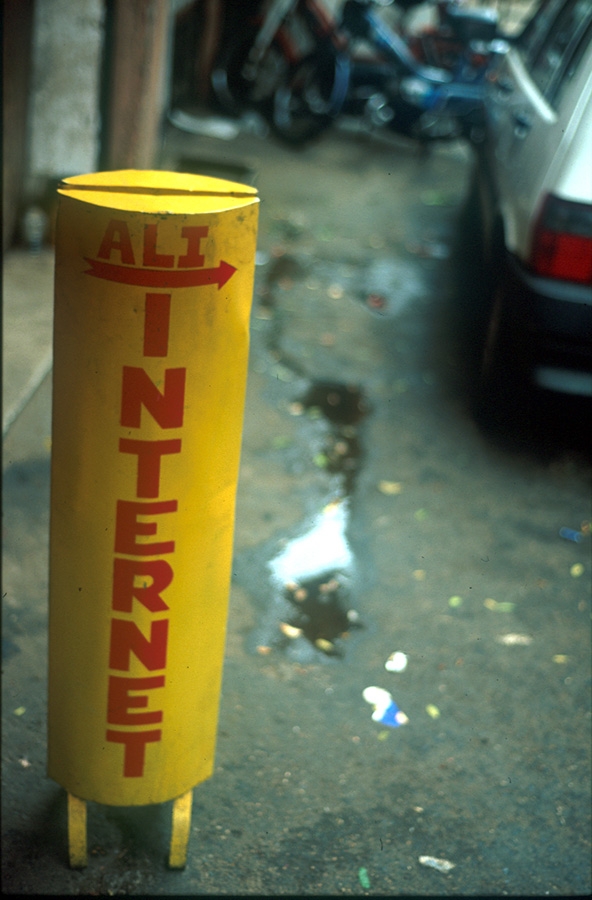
x=394 y=87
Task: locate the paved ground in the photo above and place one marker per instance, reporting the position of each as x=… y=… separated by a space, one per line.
x=450 y=553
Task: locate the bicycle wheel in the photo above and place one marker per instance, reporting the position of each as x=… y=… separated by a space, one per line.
x=304 y=106
x=239 y=82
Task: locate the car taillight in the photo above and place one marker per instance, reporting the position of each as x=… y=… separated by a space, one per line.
x=562 y=241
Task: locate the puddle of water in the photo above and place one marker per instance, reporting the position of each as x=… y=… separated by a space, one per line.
x=313 y=570
x=340 y=404
x=387 y=286
x=391 y=286
x=311 y=575
x=321 y=613
x=324 y=547
x=343 y=407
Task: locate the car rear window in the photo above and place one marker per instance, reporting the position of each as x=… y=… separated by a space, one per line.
x=554 y=42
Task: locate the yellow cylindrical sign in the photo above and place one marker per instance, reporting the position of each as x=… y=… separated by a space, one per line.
x=153 y=289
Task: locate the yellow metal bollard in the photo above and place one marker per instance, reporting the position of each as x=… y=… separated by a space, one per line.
x=153 y=289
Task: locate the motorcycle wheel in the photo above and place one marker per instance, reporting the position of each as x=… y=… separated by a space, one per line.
x=423 y=125
x=239 y=84
x=302 y=106
x=433 y=127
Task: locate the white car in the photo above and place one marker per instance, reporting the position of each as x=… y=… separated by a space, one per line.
x=532 y=194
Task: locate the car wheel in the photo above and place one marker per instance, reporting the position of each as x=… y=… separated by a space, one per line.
x=486 y=324
x=469 y=315
x=500 y=384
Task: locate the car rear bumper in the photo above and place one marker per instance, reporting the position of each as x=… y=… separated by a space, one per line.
x=555 y=318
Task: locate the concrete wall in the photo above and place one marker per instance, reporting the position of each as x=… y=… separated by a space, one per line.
x=64 y=107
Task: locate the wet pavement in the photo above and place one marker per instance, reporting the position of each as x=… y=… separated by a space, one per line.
x=373 y=516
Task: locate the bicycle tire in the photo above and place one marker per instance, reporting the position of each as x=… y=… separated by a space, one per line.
x=237 y=88
x=303 y=106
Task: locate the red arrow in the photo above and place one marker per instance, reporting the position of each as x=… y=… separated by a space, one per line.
x=162 y=278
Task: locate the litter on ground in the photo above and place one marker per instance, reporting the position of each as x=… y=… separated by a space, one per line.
x=397 y=662
x=386 y=710
x=433 y=862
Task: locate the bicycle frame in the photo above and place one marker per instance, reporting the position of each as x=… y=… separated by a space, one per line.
x=276 y=25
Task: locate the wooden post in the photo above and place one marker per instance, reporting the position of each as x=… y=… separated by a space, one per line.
x=136 y=83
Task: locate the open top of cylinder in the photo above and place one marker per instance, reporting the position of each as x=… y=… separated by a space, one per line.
x=158 y=191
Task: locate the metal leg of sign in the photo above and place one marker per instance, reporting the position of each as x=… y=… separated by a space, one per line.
x=180 y=831
x=77 y=832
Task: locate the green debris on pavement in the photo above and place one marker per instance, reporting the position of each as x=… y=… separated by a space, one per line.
x=363 y=878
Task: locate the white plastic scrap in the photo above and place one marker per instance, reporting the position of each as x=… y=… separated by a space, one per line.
x=510 y=640
x=441 y=865
x=386 y=710
x=397 y=662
